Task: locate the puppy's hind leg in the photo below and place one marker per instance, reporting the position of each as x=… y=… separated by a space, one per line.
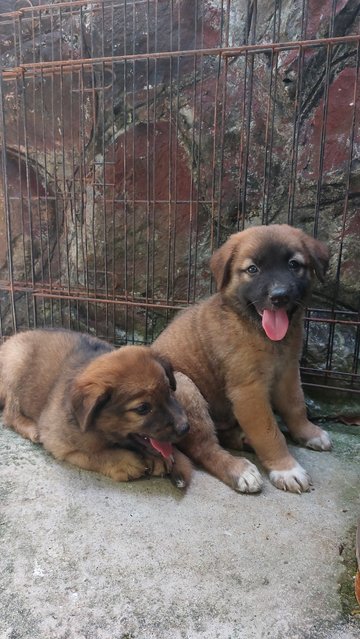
x=13 y=417
x=233 y=438
x=290 y=403
x=202 y=446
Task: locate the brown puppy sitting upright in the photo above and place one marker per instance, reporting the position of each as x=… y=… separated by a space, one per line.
x=238 y=356
x=106 y=410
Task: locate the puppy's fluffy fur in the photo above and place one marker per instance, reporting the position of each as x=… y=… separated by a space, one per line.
x=105 y=410
x=238 y=353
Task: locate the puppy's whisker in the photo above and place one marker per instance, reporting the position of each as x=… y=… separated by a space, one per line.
x=255 y=303
x=300 y=304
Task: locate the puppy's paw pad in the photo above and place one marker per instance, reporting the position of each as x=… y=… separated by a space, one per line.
x=321 y=441
x=295 y=480
x=250 y=480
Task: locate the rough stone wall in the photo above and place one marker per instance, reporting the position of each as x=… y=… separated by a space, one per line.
x=122 y=178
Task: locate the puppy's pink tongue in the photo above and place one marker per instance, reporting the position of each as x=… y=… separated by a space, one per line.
x=164 y=448
x=275 y=324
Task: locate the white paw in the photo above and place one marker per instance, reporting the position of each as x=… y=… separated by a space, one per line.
x=250 y=480
x=295 y=480
x=319 y=442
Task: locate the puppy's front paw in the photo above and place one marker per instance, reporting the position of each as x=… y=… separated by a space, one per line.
x=249 y=480
x=295 y=480
x=130 y=466
x=156 y=467
x=321 y=441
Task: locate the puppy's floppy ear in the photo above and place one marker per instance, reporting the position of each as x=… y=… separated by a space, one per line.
x=167 y=366
x=87 y=399
x=221 y=260
x=319 y=255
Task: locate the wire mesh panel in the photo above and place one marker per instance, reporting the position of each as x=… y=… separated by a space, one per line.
x=137 y=135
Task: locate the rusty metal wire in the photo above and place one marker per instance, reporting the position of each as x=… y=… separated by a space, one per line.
x=120 y=144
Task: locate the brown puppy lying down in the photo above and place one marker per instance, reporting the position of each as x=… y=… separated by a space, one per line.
x=238 y=353
x=106 y=410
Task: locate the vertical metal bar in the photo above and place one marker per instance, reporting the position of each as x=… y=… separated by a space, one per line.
x=198 y=119
x=355 y=101
x=28 y=193
x=55 y=169
x=112 y=173
x=269 y=136
x=304 y=18
x=224 y=31
x=332 y=326
x=133 y=169
x=170 y=283
x=104 y=193
x=176 y=143
x=148 y=226
x=170 y=249
x=320 y=178
x=102 y=101
x=153 y=170
x=213 y=234
x=246 y=111
x=191 y=185
x=296 y=133
x=221 y=146
x=20 y=144
x=46 y=200
x=82 y=186
x=65 y=232
x=7 y=203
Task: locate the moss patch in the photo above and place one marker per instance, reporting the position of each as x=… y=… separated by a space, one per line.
x=346 y=581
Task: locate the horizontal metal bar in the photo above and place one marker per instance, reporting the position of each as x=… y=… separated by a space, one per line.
x=106 y=200
x=32 y=68
x=62 y=292
x=341 y=389
x=83 y=296
x=329 y=320
x=104 y=300
x=321 y=372
x=336 y=311
x=42 y=8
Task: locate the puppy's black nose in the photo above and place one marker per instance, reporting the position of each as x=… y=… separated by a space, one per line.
x=279 y=296
x=182 y=429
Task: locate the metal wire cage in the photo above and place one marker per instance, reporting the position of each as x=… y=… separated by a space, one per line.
x=136 y=135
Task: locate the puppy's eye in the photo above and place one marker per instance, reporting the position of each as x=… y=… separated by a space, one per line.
x=294 y=265
x=252 y=269
x=143 y=409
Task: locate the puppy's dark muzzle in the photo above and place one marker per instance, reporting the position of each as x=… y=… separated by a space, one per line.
x=182 y=429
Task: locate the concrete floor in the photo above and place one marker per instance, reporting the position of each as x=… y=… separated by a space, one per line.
x=82 y=557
